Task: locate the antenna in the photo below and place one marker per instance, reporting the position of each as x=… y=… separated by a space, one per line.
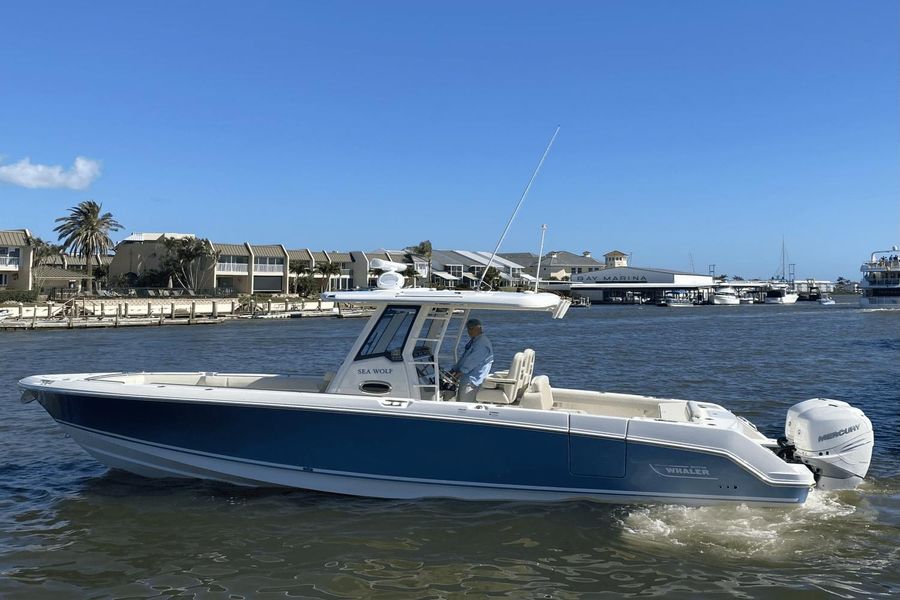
x=518 y=206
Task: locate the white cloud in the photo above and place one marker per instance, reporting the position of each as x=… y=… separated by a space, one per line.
x=83 y=172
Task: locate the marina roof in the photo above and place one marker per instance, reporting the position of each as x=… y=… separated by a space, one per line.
x=563 y=258
x=14 y=237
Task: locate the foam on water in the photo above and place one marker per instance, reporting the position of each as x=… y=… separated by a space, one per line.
x=742 y=531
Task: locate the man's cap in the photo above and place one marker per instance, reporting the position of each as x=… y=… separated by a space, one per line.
x=473 y=323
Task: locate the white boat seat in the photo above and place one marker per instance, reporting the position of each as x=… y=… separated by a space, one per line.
x=506 y=387
x=539 y=395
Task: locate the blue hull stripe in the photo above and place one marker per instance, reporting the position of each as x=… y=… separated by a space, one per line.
x=416 y=449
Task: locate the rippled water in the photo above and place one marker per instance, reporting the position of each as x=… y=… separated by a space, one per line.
x=71 y=529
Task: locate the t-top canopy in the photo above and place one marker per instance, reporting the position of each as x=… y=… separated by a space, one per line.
x=463 y=299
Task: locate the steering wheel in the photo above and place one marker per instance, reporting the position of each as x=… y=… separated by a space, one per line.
x=448 y=382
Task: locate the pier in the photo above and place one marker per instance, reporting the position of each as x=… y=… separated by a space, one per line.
x=92 y=313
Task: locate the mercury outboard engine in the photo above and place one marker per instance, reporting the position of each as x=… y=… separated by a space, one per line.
x=833 y=439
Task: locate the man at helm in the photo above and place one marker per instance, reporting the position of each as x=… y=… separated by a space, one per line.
x=475 y=362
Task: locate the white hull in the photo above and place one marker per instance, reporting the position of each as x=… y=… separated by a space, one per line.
x=886 y=302
x=725 y=300
x=786 y=299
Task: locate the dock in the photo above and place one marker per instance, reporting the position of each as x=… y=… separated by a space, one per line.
x=101 y=322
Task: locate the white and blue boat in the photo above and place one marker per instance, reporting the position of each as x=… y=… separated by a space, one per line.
x=384 y=425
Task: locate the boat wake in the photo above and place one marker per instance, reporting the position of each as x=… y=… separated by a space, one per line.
x=734 y=532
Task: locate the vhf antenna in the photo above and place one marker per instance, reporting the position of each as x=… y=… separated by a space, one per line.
x=518 y=206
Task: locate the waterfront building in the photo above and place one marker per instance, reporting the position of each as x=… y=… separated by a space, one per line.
x=137 y=254
x=510 y=271
x=232 y=270
x=615 y=259
x=556 y=265
x=453 y=270
x=638 y=284
x=15 y=260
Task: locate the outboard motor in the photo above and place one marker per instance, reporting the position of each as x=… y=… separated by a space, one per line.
x=833 y=439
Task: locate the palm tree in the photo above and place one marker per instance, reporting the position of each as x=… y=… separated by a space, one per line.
x=41 y=253
x=298 y=268
x=326 y=270
x=85 y=232
x=423 y=249
x=411 y=274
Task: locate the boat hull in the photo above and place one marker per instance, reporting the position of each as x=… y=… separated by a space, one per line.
x=376 y=454
x=786 y=299
x=726 y=300
x=890 y=302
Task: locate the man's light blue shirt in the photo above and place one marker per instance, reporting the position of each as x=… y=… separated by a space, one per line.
x=476 y=360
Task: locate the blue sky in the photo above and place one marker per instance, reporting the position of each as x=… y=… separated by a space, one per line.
x=692 y=131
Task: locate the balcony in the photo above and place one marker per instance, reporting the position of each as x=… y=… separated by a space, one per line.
x=224 y=268
x=268 y=268
x=9 y=263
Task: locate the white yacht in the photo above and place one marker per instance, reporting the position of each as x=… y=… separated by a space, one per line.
x=725 y=295
x=780 y=292
x=386 y=424
x=881 y=280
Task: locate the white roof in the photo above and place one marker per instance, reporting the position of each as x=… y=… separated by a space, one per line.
x=459 y=298
x=501 y=261
x=484 y=258
x=445 y=275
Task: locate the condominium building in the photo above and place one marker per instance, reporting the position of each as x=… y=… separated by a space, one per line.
x=15 y=260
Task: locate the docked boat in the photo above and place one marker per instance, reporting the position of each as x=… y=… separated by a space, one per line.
x=581 y=302
x=385 y=423
x=725 y=296
x=781 y=293
x=746 y=298
x=881 y=280
x=676 y=299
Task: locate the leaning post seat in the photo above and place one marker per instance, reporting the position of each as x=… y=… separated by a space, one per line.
x=506 y=387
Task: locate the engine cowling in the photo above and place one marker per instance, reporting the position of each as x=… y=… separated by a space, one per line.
x=833 y=438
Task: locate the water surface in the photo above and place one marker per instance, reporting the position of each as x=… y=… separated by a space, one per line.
x=72 y=529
